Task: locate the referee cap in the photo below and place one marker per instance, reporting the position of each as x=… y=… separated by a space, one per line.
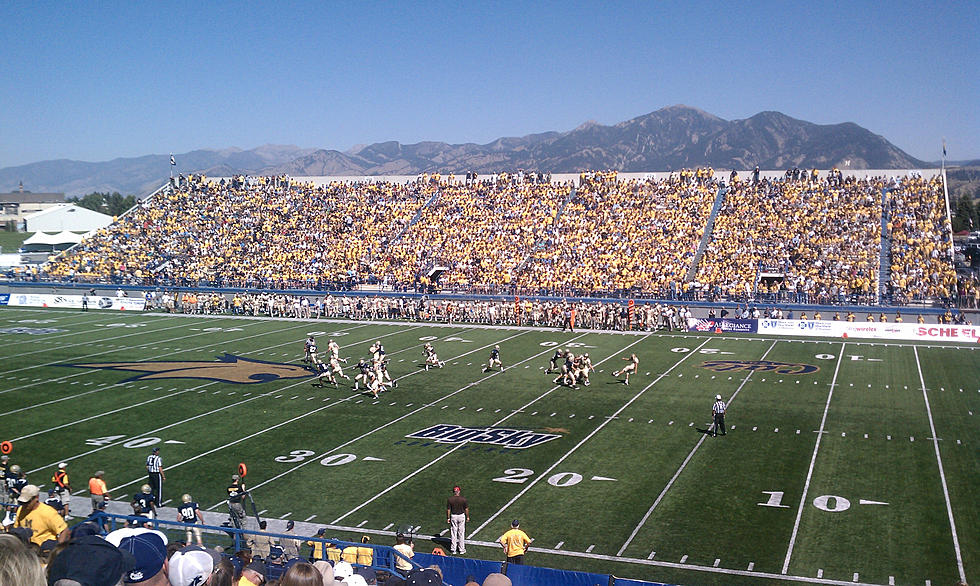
x=718 y=397
x=156 y=450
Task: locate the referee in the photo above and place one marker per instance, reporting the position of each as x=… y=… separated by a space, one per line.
x=718 y=412
x=154 y=471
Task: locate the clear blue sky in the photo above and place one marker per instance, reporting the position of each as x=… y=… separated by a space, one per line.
x=94 y=81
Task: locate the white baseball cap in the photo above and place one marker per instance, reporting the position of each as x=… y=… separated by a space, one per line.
x=192 y=565
x=62 y=466
x=342 y=570
x=718 y=397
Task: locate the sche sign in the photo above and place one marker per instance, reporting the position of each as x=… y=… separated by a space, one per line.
x=517 y=439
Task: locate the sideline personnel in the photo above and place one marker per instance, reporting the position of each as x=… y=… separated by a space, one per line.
x=515 y=543
x=457 y=514
x=154 y=471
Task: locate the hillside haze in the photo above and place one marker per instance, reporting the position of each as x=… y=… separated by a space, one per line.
x=670 y=138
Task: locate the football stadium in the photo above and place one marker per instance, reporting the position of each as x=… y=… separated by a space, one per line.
x=697 y=377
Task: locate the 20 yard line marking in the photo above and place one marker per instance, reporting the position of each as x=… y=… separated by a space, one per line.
x=942 y=472
x=683 y=465
x=813 y=461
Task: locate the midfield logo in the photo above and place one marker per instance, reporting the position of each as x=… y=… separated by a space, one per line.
x=518 y=439
x=228 y=369
x=760 y=366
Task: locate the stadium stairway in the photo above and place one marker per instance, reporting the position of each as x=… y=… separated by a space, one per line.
x=706 y=238
x=885 y=261
x=432 y=199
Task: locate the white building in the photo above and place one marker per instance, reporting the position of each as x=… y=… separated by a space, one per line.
x=66 y=217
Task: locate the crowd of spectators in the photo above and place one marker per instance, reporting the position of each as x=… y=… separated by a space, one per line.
x=617 y=235
x=523 y=234
x=823 y=238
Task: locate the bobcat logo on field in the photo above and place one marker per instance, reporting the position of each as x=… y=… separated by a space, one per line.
x=759 y=366
x=228 y=369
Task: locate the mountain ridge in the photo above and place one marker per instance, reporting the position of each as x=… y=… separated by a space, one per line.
x=667 y=139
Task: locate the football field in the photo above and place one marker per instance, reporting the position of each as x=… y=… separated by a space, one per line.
x=845 y=462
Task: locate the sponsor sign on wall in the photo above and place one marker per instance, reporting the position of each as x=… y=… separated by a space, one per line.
x=745 y=326
x=75 y=301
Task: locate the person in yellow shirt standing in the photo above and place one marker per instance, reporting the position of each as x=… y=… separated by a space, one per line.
x=42 y=519
x=515 y=543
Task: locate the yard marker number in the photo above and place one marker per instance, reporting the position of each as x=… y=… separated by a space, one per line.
x=560 y=479
x=827 y=502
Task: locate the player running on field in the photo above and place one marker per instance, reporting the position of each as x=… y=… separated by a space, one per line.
x=557 y=360
x=363 y=370
x=431 y=358
x=310 y=343
x=381 y=371
x=494 y=360
x=629 y=369
x=567 y=373
x=377 y=352
x=582 y=369
x=326 y=375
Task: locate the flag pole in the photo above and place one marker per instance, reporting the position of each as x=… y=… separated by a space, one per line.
x=949 y=217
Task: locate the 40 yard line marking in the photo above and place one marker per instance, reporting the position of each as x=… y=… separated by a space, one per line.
x=585 y=439
x=683 y=465
x=942 y=473
x=813 y=461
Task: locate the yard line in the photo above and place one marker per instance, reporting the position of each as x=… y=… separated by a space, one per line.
x=457 y=447
x=813 y=461
x=82 y=373
x=268 y=429
x=683 y=465
x=212 y=412
x=605 y=421
x=409 y=414
x=103 y=388
x=942 y=473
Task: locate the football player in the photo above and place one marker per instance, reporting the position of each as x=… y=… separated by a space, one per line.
x=556 y=360
x=585 y=368
x=494 y=360
x=310 y=343
x=567 y=372
x=363 y=370
x=335 y=366
x=629 y=369
x=431 y=358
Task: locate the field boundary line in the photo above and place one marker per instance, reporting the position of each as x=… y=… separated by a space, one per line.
x=405 y=416
x=454 y=449
x=813 y=462
x=683 y=465
x=942 y=472
x=598 y=428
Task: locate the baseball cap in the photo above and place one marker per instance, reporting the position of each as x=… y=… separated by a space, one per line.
x=89 y=560
x=257 y=567
x=27 y=493
x=515 y=523
x=355 y=580
x=342 y=570
x=192 y=565
x=290 y=524
x=62 y=465
x=148 y=547
x=156 y=449
x=423 y=578
x=718 y=397
x=369 y=575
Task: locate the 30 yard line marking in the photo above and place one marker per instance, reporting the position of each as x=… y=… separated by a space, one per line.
x=942 y=472
x=598 y=428
x=683 y=465
x=813 y=461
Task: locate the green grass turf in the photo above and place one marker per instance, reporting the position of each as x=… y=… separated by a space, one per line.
x=11 y=241
x=629 y=486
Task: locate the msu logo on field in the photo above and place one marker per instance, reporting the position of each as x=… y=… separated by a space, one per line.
x=228 y=369
x=759 y=366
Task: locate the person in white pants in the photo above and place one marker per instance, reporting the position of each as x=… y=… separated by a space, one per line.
x=457 y=514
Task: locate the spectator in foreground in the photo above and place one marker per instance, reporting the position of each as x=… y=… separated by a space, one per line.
x=19 y=566
x=302 y=574
x=46 y=523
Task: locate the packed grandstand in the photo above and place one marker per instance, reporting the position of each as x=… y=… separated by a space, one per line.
x=810 y=237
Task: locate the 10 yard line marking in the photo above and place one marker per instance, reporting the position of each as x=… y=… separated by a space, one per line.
x=585 y=439
x=684 y=464
x=942 y=473
x=813 y=461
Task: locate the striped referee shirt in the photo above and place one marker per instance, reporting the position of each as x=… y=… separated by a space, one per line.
x=153 y=463
x=719 y=407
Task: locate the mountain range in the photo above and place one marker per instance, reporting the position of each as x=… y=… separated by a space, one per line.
x=671 y=138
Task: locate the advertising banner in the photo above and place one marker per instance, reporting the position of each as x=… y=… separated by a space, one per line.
x=75 y=301
x=742 y=326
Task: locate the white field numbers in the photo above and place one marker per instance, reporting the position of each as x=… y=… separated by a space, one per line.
x=301 y=455
x=140 y=442
x=827 y=502
x=682 y=350
x=551 y=343
x=520 y=476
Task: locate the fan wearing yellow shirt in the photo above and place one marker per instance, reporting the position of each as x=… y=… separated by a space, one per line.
x=40 y=518
x=515 y=543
